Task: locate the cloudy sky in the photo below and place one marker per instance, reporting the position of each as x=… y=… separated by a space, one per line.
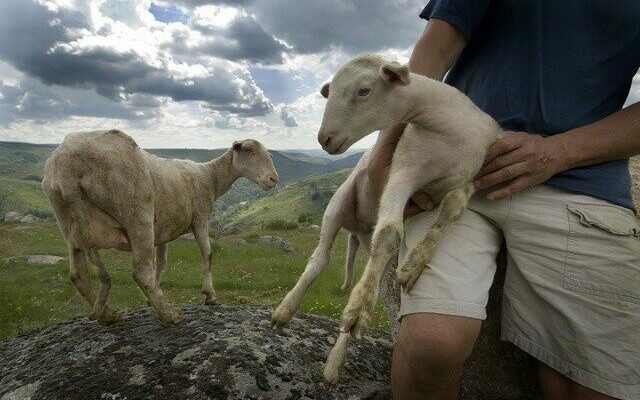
x=187 y=73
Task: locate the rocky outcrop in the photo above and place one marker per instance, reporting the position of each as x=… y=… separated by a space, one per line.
x=222 y=352
x=29 y=219
x=12 y=216
x=277 y=241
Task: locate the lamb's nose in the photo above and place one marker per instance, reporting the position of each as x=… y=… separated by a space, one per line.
x=324 y=138
x=273 y=178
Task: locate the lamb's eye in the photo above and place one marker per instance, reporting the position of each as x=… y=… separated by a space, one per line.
x=363 y=92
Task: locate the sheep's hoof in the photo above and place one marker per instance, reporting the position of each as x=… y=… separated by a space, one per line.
x=172 y=317
x=281 y=316
x=410 y=271
x=109 y=316
x=345 y=287
x=213 y=301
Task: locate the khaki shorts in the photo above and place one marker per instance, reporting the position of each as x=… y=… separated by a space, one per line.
x=572 y=289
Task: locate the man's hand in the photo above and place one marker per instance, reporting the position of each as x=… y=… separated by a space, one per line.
x=520 y=160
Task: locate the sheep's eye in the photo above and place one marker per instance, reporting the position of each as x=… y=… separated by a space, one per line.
x=363 y=92
x=248 y=150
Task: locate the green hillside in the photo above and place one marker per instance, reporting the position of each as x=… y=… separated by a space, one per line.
x=307 y=198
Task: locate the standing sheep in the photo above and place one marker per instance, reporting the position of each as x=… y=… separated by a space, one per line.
x=354 y=208
x=440 y=152
x=107 y=193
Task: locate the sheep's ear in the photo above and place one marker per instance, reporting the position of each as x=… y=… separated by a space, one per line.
x=237 y=145
x=395 y=73
x=324 y=90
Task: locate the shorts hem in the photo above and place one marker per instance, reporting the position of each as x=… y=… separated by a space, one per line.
x=615 y=389
x=439 y=306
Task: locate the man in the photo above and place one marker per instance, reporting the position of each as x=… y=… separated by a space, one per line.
x=559 y=195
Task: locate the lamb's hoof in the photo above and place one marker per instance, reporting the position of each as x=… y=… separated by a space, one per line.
x=336 y=360
x=172 y=317
x=409 y=272
x=281 y=317
x=109 y=316
x=345 y=287
x=356 y=316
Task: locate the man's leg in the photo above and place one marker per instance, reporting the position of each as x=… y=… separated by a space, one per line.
x=556 y=386
x=571 y=296
x=429 y=355
x=442 y=315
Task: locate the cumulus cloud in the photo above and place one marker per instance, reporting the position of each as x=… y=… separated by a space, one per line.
x=200 y=69
x=116 y=59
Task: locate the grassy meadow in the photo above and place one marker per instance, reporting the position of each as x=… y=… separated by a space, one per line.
x=32 y=296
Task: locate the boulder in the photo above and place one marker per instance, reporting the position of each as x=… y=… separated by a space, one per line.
x=29 y=219
x=222 y=352
x=315 y=227
x=12 y=216
x=43 y=259
x=188 y=236
x=277 y=241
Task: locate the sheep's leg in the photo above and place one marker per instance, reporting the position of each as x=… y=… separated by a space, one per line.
x=331 y=223
x=201 y=232
x=144 y=271
x=79 y=275
x=161 y=261
x=385 y=244
x=100 y=310
x=451 y=208
x=349 y=263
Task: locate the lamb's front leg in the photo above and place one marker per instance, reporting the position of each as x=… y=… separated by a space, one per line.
x=451 y=208
x=386 y=240
x=201 y=233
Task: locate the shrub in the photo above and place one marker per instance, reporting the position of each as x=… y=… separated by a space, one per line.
x=305 y=217
x=279 y=224
x=34 y=178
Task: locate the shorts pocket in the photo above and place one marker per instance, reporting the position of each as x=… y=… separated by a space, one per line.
x=603 y=252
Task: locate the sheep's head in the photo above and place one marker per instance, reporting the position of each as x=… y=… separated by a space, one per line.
x=361 y=98
x=252 y=160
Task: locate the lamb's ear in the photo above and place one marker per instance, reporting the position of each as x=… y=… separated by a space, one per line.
x=324 y=90
x=237 y=145
x=395 y=73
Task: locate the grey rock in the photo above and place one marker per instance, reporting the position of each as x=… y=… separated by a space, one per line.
x=277 y=241
x=226 y=352
x=12 y=216
x=29 y=219
x=43 y=259
x=316 y=227
x=242 y=242
x=188 y=236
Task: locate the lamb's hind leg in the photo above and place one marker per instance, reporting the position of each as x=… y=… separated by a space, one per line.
x=161 y=261
x=384 y=246
x=350 y=260
x=331 y=223
x=451 y=208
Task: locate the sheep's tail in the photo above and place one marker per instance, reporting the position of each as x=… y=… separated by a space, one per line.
x=77 y=206
x=336 y=360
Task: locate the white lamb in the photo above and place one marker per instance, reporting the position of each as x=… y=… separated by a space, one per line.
x=354 y=208
x=106 y=193
x=440 y=152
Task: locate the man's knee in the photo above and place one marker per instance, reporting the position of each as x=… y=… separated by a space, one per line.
x=437 y=345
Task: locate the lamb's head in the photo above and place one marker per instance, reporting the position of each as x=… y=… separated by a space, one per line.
x=362 y=97
x=253 y=161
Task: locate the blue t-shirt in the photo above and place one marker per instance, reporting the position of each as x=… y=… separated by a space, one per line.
x=548 y=66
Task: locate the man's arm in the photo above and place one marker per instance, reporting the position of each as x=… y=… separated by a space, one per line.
x=433 y=55
x=526 y=160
